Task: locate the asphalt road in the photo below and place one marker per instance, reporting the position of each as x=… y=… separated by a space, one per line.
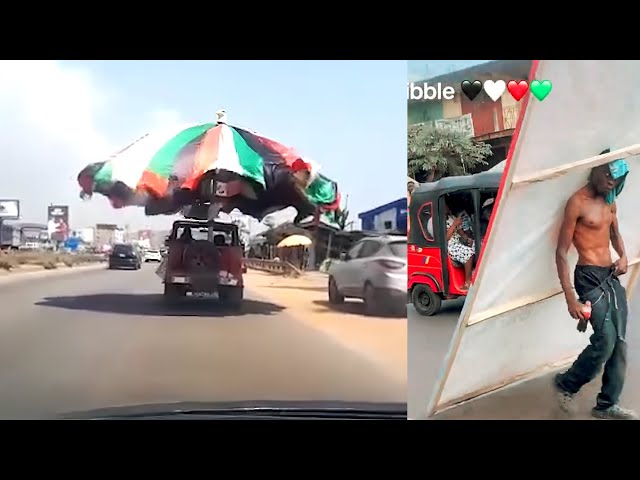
x=428 y=343
x=104 y=338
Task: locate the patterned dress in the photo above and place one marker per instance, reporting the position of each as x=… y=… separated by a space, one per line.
x=459 y=251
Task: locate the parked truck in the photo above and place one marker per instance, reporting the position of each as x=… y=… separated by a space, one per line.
x=10 y=236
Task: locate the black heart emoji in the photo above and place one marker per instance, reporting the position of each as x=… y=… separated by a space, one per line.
x=471 y=90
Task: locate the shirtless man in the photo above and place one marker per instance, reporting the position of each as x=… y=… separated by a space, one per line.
x=590 y=223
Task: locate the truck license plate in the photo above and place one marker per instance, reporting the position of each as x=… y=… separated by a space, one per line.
x=202 y=294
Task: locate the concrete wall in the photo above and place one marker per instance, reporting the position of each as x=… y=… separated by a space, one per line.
x=452 y=108
x=387 y=216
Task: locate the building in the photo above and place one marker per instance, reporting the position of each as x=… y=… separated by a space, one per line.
x=107 y=235
x=33 y=234
x=120 y=235
x=327 y=243
x=9 y=236
x=87 y=235
x=328 y=240
x=391 y=217
x=158 y=238
x=23 y=235
x=481 y=119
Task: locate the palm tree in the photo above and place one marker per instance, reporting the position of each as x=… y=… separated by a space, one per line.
x=341 y=219
x=434 y=153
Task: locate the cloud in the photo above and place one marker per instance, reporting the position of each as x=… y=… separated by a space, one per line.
x=51 y=126
x=53 y=122
x=163 y=118
x=48 y=131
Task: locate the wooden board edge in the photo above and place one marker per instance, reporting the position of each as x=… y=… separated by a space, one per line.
x=508 y=174
x=634 y=265
x=591 y=162
x=633 y=279
x=513 y=381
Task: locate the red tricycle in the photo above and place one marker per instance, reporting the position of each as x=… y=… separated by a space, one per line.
x=435 y=268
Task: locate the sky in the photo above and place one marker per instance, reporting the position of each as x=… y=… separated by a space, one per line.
x=58 y=116
x=425 y=69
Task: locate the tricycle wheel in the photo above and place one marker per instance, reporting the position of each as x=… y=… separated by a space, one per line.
x=425 y=300
x=231 y=296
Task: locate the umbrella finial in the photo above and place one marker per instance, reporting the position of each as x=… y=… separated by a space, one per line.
x=221 y=116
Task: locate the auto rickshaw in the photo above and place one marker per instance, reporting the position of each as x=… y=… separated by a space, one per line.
x=432 y=275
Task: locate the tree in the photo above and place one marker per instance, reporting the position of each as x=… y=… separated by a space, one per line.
x=341 y=218
x=434 y=153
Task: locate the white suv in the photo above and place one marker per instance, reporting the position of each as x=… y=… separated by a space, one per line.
x=152 y=256
x=375 y=270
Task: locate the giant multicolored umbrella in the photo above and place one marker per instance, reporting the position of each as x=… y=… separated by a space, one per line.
x=160 y=165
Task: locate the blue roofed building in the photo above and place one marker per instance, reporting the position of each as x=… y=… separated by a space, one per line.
x=390 y=217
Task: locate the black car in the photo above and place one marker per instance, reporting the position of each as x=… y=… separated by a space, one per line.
x=124 y=256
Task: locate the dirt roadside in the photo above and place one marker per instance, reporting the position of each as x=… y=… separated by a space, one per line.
x=27 y=272
x=382 y=339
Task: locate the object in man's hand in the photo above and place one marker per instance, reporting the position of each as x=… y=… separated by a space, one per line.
x=586 y=311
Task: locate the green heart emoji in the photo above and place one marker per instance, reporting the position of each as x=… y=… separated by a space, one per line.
x=540 y=90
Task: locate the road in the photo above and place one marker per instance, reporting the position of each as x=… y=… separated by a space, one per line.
x=532 y=400
x=428 y=341
x=104 y=338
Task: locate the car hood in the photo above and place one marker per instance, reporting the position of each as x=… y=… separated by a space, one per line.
x=247 y=410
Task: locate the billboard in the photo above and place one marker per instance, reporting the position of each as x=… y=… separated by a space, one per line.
x=462 y=124
x=86 y=234
x=58 y=222
x=9 y=209
x=514 y=325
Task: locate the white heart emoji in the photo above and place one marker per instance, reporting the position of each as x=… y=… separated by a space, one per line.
x=494 y=89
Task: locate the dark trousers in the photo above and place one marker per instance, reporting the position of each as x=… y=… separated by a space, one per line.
x=607 y=343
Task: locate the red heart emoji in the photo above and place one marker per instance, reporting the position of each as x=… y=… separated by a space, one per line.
x=517 y=90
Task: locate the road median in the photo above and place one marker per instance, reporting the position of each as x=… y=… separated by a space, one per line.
x=31 y=265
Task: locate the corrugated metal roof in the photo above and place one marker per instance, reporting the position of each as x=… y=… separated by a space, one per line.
x=16 y=224
x=400 y=203
x=517 y=69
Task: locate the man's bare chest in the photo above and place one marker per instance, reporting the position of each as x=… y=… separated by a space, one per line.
x=596 y=215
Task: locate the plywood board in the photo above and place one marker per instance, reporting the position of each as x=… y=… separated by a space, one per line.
x=515 y=324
